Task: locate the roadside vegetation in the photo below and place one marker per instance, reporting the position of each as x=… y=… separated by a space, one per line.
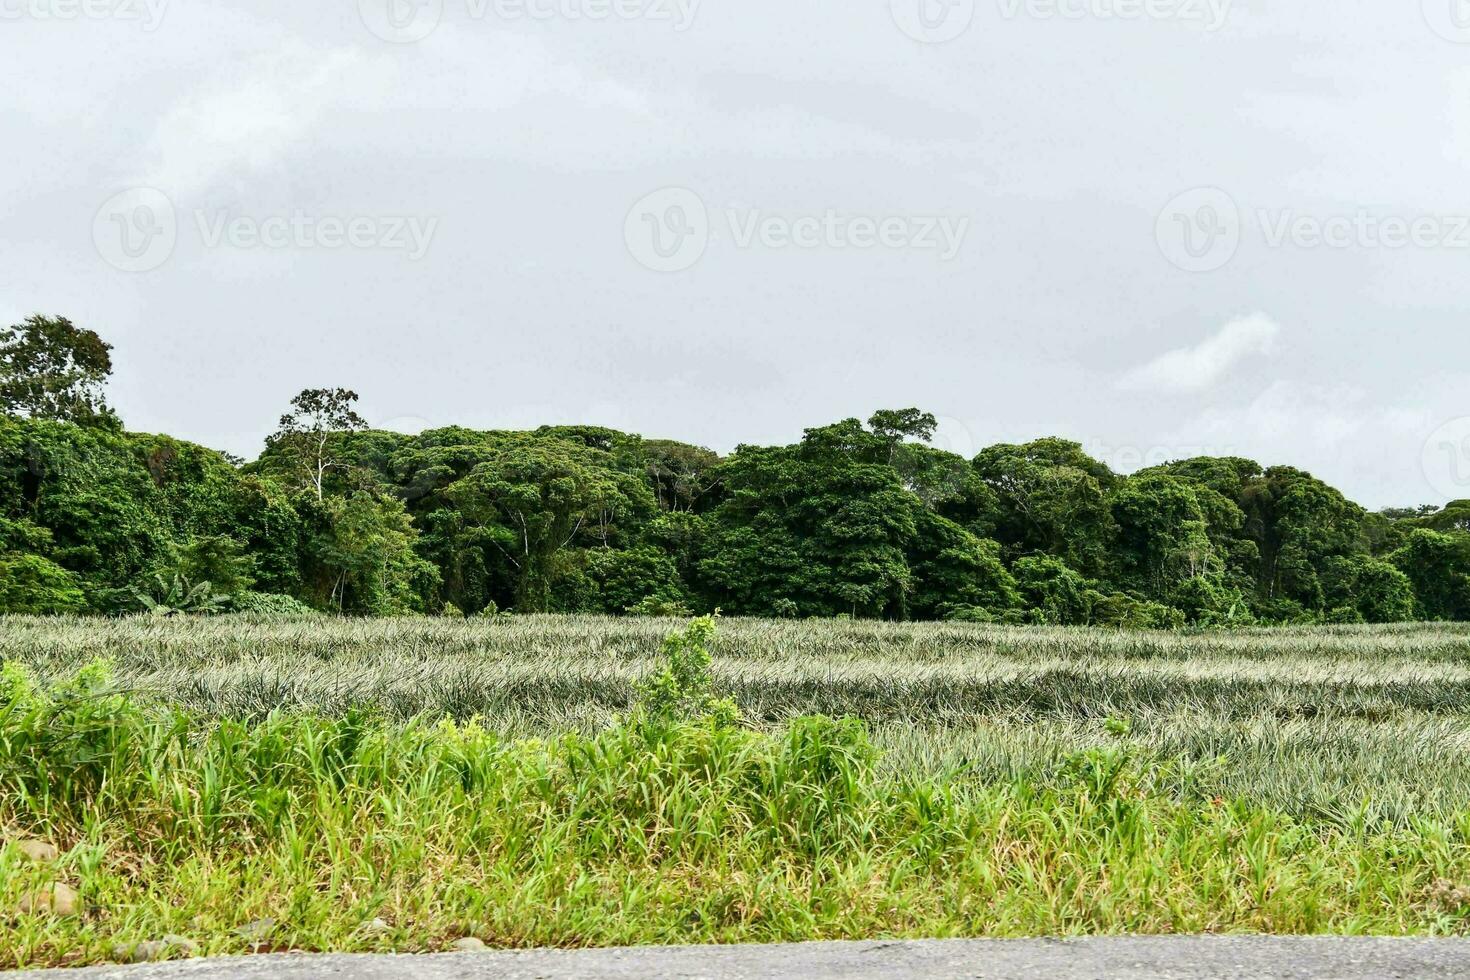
x=1323 y=723
x=690 y=796
x=374 y=691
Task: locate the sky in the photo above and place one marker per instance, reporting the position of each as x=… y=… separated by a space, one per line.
x=1158 y=227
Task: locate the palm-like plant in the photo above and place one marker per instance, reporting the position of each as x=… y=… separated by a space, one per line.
x=175 y=595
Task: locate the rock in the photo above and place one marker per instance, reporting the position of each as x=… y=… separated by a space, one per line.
x=38 y=851
x=183 y=944
x=155 y=949
x=56 y=898
x=147 y=952
x=1448 y=896
x=375 y=927
x=469 y=944
x=256 y=932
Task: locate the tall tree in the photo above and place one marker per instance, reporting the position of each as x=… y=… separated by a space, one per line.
x=1298 y=522
x=1050 y=498
x=1163 y=535
x=52 y=369
x=823 y=525
x=681 y=475
x=306 y=437
x=894 y=425
x=358 y=556
x=536 y=495
x=1373 y=590
x=1439 y=567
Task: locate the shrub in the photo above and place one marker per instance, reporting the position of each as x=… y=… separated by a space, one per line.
x=1051 y=590
x=658 y=606
x=784 y=608
x=30 y=584
x=1120 y=611
x=492 y=611
x=1207 y=603
x=680 y=690
x=970 y=614
x=270 y=604
x=627 y=580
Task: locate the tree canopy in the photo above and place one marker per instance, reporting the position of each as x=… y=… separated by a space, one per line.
x=854 y=519
x=52 y=369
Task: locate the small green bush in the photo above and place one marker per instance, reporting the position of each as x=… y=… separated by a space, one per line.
x=32 y=585
x=660 y=607
x=681 y=689
x=269 y=604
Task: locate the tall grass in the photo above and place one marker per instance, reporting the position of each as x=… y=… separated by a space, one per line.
x=652 y=829
x=1323 y=723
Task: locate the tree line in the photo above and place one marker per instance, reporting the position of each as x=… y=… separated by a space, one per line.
x=858 y=519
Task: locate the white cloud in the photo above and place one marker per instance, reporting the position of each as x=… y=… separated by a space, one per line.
x=1289 y=417
x=532 y=137
x=1377 y=451
x=1197 y=368
x=288 y=109
x=252 y=117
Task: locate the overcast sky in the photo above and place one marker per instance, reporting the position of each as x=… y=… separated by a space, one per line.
x=1159 y=227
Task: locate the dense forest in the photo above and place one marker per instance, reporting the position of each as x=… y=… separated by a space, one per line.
x=857 y=519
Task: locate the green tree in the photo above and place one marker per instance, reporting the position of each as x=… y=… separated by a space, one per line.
x=31 y=585
x=1290 y=525
x=823 y=525
x=1298 y=523
x=106 y=518
x=358 y=557
x=535 y=496
x=894 y=426
x=217 y=559
x=1049 y=497
x=1052 y=592
x=52 y=369
x=1207 y=603
x=946 y=483
x=1439 y=567
x=1453 y=516
x=306 y=438
x=682 y=476
x=955 y=571
x=684 y=537
x=1375 y=590
x=1163 y=534
x=624 y=579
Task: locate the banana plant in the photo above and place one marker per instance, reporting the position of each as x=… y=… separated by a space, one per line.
x=175 y=595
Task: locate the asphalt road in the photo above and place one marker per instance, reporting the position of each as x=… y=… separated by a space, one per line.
x=1120 y=957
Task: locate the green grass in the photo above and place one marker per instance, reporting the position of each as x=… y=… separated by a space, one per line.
x=1320 y=723
x=325 y=773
